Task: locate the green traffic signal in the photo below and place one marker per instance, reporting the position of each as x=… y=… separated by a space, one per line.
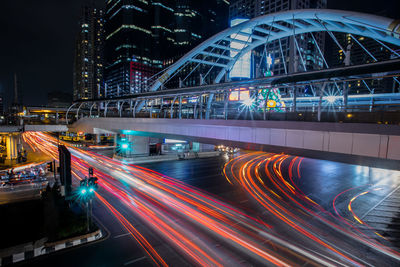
x=124 y=146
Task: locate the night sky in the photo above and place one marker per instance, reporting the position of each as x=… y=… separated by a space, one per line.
x=37 y=42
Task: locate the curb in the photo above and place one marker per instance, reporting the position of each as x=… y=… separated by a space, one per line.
x=50 y=247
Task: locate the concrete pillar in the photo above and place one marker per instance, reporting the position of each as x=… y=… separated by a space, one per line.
x=294 y=99
x=128 y=146
x=98 y=138
x=12 y=146
x=206 y=147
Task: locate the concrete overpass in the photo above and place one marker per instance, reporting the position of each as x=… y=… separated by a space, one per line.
x=34 y=128
x=370 y=144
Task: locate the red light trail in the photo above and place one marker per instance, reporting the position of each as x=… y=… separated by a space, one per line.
x=160 y=202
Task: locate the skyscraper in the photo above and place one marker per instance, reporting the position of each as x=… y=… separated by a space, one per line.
x=194 y=23
x=143 y=37
x=88 y=63
x=128 y=46
x=307 y=47
x=353 y=51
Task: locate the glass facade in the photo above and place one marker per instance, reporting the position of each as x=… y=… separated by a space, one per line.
x=285 y=55
x=145 y=36
x=89 y=60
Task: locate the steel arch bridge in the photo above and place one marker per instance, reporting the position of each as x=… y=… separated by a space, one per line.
x=217 y=54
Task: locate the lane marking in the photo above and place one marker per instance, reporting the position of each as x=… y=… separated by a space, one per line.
x=133 y=261
x=121 y=235
x=365 y=214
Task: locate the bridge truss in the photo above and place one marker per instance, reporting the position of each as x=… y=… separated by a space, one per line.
x=210 y=95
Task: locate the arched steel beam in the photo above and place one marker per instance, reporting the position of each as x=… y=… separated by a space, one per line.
x=105 y=108
x=77 y=111
x=121 y=104
x=91 y=107
x=306 y=21
x=66 y=115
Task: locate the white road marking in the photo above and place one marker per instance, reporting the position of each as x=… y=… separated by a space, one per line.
x=121 y=235
x=136 y=260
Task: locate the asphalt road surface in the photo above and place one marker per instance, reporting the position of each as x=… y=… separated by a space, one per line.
x=254 y=209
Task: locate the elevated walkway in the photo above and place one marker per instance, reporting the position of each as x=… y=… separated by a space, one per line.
x=337 y=141
x=34 y=128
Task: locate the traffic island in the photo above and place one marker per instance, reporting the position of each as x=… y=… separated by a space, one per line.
x=43 y=226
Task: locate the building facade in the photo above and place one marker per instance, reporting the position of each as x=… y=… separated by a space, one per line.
x=89 y=59
x=143 y=37
x=268 y=59
x=128 y=46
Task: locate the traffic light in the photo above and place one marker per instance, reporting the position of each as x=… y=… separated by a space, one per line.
x=90 y=171
x=83 y=187
x=87 y=187
x=92 y=184
x=124 y=145
x=50 y=166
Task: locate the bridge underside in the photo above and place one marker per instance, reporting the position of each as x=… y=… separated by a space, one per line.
x=368 y=144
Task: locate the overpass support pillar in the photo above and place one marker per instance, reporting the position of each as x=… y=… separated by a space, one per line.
x=13 y=144
x=294 y=99
x=130 y=146
x=98 y=138
x=345 y=96
x=209 y=103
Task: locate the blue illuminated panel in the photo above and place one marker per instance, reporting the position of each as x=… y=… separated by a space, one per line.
x=242 y=67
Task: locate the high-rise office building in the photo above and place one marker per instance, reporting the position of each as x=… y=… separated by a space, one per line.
x=163 y=31
x=247 y=9
x=143 y=37
x=89 y=61
x=350 y=49
x=194 y=23
x=128 y=46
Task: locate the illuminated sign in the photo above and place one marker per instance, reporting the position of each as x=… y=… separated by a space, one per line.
x=192 y=99
x=234 y=96
x=270 y=61
x=239 y=94
x=244 y=95
x=242 y=67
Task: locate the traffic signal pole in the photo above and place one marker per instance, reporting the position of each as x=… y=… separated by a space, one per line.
x=87 y=216
x=87 y=189
x=55 y=171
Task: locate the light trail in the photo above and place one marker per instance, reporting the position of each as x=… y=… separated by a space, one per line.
x=160 y=202
x=282 y=198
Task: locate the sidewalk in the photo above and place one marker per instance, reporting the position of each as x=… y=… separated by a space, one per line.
x=41 y=247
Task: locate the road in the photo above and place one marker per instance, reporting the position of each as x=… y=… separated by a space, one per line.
x=218 y=212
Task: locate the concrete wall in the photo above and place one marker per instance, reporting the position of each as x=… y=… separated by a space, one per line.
x=370 y=140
